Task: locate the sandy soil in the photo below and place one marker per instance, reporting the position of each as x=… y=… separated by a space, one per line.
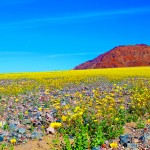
x=45 y=144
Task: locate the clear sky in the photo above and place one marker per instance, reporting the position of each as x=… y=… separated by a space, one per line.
x=44 y=35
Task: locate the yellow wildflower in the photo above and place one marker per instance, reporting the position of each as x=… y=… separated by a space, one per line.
x=76 y=109
x=116 y=119
x=81 y=113
x=93 y=91
x=113 y=145
x=67 y=107
x=40 y=108
x=13 y=141
x=1 y=124
x=55 y=125
x=57 y=107
x=80 y=95
x=26 y=112
x=47 y=92
x=16 y=100
x=74 y=116
x=64 y=118
x=122 y=107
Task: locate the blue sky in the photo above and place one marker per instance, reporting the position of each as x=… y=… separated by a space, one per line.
x=44 y=35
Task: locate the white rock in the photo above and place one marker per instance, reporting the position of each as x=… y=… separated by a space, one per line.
x=50 y=130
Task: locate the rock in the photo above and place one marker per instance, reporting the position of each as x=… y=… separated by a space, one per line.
x=142 y=138
x=71 y=137
x=54 y=111
x=63 y=103
x=26 y=121
x=58 y=120
x=131 y=145
x=29 y=111
x=13 y=127
x=107 y=142
x=145 y=130
x=133 y=130
x=5 y=133
x=22 y=130
x=96 y=148
x=32 y=137
x=35 y=110
x=28 y=127
x=1 y=131
x=136 y=141
x=13 y=134
x=38 y=114
x=16 y=122
x=35 y=124
x=22 y=140
x=125 y=144
x=19 y=135
x=104 y=146
x=147 y=136
x=28 y=136
x=36 y=135
x=49 y=117
x=50 y=130
x=40 y=118
x=1 y=139
x=124 y=139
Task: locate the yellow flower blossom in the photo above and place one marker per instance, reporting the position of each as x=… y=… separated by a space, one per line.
x=16 y=100
x=64 y=118
x=122 y=107
x=40 y=108
x=77 y=109
x=57 y=107
x=1 y=124
x=26 y=112
x=55 y=125
x=114 y=145
x=116 y=119
x=13 y=141
x=80 y=113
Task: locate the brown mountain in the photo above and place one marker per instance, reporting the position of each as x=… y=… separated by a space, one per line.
x=121 y=56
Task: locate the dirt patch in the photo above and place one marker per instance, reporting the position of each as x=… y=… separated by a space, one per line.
x=44 y=144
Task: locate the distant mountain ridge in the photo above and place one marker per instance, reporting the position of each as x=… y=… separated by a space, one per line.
x=120 y=56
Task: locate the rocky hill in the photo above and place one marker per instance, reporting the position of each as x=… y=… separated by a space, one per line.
x=120 y=56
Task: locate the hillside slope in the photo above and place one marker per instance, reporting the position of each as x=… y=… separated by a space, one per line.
x=121 y=56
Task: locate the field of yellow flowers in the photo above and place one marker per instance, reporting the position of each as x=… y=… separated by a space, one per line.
x=91 y=107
